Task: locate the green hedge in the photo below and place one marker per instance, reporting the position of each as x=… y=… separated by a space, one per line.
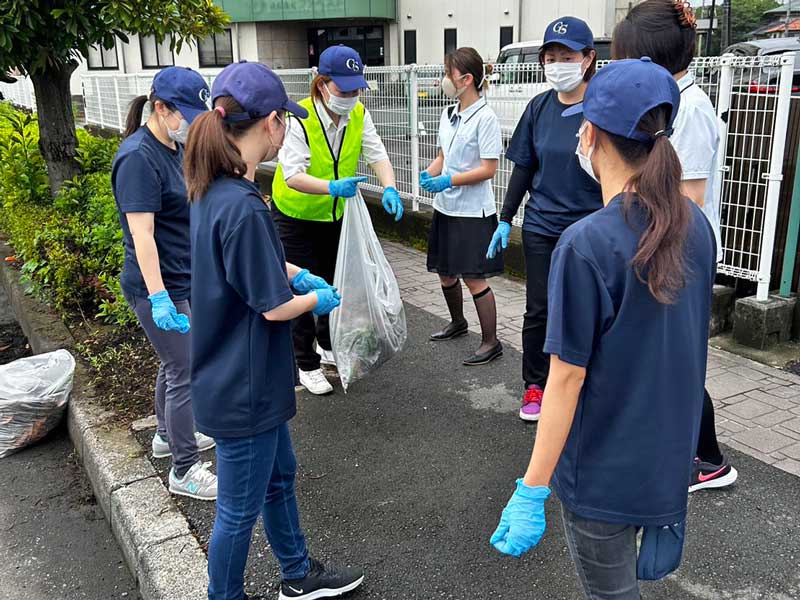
x=70 y=245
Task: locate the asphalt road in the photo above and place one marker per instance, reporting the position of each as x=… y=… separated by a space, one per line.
x=55 y=543
x=407 y=475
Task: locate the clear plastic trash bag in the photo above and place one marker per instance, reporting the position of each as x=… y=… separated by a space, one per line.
x=33 y=395
x=370 y=325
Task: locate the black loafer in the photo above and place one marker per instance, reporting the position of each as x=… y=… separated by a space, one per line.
x=453 y=330
x=486 y=357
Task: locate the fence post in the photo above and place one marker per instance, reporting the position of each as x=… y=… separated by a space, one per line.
x=775 y=176
x=724 y=92
x=790 y=249
x=99 y=100
x=116 y=104
x=414 y=118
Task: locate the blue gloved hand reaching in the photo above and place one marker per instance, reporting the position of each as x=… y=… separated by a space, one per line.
x=346 y=187
x=165 y=315
x=327 y=300
x=392 y=203
x=522 y=523
x=499 y=239
x=305 y=282
x=434 y=185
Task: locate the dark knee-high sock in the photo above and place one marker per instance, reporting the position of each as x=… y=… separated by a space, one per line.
x=455 y=302
x=487 y=315
x=707 y=446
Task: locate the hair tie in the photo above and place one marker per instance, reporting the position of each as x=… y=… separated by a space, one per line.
x=221 y=110
x=663 y=133
x=685 y=14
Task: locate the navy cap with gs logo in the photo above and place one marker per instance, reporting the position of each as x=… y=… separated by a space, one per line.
x=184 y=88
x=570 y=32
x=344 y=66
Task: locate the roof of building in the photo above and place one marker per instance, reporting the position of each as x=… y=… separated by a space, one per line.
x=781 y=10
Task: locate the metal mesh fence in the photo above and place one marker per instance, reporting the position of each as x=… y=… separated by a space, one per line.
x=406 y=104
x=19 y=93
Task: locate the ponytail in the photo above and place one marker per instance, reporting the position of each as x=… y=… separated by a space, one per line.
x=210 y=151
x=655 y=189
x=135 y=109
x=134 y=119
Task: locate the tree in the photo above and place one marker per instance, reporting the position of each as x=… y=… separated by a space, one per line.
x=45 y=38
x=747 y=15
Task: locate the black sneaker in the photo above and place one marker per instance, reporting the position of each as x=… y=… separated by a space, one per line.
x=708 y=475
x=322 y=582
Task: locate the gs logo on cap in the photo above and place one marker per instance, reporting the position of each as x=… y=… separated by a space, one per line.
x=353 y=65
x=560 y=28
x=204 y=95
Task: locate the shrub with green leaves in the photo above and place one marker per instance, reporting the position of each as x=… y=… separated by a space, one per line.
x=70 y=245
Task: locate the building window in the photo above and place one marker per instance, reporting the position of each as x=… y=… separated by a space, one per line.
x=155 y=55
x=450 y=42
x=99 y=58
x=216 y=50
x=506 y=36
x=410 y=46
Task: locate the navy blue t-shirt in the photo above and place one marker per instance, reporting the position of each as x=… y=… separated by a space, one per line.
x=629 y=453
x=561 y=192
x=147 y=176
x=243 y=369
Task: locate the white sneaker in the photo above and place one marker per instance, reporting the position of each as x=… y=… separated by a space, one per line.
x=161 y=447
x=326 y=356
x=198 y=482
x=315 y=382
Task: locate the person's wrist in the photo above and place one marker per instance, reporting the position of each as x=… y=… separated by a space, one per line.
x=162 y=293
x=532 y=488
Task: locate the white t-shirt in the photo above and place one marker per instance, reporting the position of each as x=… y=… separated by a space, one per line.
x=465 y=138
x=696 y=140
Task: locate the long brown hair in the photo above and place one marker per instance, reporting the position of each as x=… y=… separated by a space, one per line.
x=664 y=30
x=135 y=109
x=655 y=189
x=210 y=151
x=315 y=93
x=467 y=61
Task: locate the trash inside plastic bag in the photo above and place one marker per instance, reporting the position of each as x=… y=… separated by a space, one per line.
x=33 y=395
x=370 y=325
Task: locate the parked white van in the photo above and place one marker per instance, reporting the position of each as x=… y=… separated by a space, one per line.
x=518 y=77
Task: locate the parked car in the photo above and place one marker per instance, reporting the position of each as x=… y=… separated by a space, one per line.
x=518 y=78
x=767 y=81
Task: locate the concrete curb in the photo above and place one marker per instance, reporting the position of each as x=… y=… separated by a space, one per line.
x=162 y=554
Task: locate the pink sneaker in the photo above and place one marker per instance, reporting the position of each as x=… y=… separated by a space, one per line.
x=531 y=404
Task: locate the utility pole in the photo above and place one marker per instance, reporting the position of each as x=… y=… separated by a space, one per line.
x=710 y=27
x=788 y=17
x=726 y=31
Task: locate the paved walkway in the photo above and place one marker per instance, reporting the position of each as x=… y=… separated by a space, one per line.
x=758 y=407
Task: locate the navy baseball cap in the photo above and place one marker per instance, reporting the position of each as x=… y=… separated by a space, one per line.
x=623 y=91
x=570 y=32
x=344 y=66
x=184 y=88
x=256 y=88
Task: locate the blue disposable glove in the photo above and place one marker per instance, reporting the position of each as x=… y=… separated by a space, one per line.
x=499 y=239
x=305 y=282
x=435 y=184
x=345 y=187
x=522 y=522
x=165 y=315
x=392 y=203
x=327 y=300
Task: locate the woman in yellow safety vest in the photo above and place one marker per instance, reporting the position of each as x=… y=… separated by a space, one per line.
x=315 y=176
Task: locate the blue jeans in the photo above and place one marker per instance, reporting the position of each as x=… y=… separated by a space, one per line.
x=604 y=555
x=255 y=475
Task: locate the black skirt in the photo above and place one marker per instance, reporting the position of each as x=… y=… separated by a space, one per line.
x=457 y=247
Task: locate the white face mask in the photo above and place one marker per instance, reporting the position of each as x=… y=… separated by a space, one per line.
x=585 y=160
x=564 y=76
x=340 y=106
x=272 y=153
x=449 y=88
x=179 y=135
